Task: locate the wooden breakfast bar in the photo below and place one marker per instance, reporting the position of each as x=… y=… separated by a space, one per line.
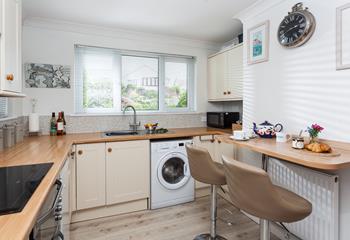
x=335 y=164
x=339 y=159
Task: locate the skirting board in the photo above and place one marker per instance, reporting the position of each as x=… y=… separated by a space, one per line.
x=107 y=211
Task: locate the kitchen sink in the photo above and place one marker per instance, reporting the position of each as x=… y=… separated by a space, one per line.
x=120 y=133
x=131 y=132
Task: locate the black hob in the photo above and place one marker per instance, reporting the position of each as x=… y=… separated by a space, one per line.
x=17 y=185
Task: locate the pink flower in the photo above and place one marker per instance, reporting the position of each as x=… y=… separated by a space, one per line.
x=317 y=127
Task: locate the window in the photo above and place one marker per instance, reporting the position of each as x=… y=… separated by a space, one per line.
x=176 y=84
x=140 y=82
x=107 y=80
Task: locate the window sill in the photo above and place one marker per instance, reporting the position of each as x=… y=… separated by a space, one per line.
x=138 y=113
x=8 y=118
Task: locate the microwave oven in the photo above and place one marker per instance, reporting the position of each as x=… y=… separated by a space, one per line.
x=222 y=119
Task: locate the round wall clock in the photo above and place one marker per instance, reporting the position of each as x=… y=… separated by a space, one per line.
x=297 y=27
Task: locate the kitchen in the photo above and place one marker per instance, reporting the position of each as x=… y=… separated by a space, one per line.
x=228 y=60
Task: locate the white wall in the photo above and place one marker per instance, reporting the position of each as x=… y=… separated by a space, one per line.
x=298 y=87
x=46 y=41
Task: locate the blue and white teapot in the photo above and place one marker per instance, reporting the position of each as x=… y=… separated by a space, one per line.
x=267 y=130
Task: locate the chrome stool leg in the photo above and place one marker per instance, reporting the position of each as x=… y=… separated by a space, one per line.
x=264 y=229
x=213 y=216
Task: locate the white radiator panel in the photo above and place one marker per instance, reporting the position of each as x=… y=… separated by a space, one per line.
x=321 y=189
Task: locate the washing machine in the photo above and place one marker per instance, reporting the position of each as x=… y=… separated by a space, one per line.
x=171 y=181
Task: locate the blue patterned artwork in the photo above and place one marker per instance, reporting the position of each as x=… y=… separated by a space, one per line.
x=257 y=44
x=46 y=76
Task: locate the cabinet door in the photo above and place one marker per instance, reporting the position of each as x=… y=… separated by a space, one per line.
x=221 y=64
x=206 y=142
x=212 y=87
x=228 y=150
x=66 y=192
x=234 y=73
x=11 y=66
x=90 y=169
x=222 y=148
x=216 y=76
x=128 y=171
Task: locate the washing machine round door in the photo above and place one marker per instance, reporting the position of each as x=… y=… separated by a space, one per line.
x=173 y=171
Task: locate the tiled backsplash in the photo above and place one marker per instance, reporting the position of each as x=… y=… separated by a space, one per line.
x=86 y=124
x=23 y=120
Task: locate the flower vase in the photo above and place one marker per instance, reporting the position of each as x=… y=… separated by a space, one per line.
x=313 y=139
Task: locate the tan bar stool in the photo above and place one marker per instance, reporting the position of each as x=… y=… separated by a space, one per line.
x=205 y=170
x=252 y=191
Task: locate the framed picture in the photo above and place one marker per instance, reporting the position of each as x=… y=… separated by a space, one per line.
x=343 y=37
x=258 y=43
x=39 y=75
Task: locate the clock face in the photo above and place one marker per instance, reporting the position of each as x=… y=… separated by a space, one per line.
x=292 y=29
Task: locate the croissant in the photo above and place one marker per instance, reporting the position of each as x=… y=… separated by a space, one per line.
x=319 y=147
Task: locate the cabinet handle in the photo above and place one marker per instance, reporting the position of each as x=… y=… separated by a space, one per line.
x=212 y=140
x=228 y=92
x=219 y=141
x=80 y=152
x=225 y=93
x=72 y=153
x=9 y=77
x=206 y=140
x=109 y=149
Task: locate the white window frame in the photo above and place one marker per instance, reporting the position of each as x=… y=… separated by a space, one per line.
x=162 y=59
x=190 y=84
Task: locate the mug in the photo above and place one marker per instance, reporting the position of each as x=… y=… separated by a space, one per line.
x=282 y=137
x=240 y=135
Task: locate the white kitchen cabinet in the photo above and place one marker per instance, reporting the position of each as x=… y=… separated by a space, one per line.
x=66 y=178
x=212 y=87
x=208 y=143
x=10 y=46
x=228 y=150
x=90 y=175
x=127 y=171
x=215 y=148
x=72 y=181
x=216 y=75
x=225 y=149
x=234 y=74
x=225 y=75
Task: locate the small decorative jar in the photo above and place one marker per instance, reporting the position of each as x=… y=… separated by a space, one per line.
x=298 y=142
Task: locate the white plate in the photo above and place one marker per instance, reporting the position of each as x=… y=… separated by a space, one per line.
x=238 y=139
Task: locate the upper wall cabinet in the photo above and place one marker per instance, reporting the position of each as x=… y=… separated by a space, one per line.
x=225 y=75
x=10 y=47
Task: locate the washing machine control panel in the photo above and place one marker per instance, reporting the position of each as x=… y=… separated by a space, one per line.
x=172 y=145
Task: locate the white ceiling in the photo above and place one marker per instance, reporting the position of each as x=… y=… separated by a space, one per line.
x=208 y=20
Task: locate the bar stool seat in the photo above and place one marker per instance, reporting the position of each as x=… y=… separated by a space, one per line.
x=252 y=191
x=205 y=170
x=296 y=207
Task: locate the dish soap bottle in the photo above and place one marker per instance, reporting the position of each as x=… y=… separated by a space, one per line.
x=53 y=129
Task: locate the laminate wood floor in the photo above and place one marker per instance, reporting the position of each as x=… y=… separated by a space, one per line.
x=181 y=222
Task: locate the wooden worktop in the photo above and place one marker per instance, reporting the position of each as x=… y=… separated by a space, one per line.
x=55 y=149
x=284 y=151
